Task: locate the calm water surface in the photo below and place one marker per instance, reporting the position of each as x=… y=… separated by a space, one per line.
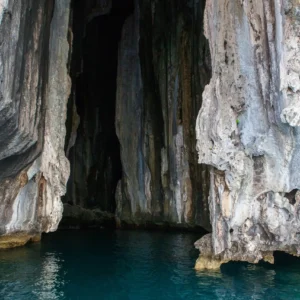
x=134 y=265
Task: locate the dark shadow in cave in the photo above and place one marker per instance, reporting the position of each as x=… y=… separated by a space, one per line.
x=91 y=142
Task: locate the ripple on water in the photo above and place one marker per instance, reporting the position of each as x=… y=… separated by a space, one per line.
x=135 y=265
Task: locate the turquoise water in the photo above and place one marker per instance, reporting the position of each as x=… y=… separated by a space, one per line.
x=134 y=265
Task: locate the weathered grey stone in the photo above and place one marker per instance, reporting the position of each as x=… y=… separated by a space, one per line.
x=160 y=94
x=247 y=128
x=163 y=67
x=34 y=87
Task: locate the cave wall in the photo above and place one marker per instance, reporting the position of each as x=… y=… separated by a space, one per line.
x=91 y=144
x=34 y=88
x=158 y=78
x=163 y=67
x=248 y=129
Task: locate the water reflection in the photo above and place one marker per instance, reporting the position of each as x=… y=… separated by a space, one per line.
x=241 y=280
x=50 y=283
x=30 y=273
x=135 y=266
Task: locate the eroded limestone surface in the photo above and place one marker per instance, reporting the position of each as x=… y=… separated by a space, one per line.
x=34 y=87
x=247 y=128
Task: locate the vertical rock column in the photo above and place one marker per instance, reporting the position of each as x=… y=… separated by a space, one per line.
x=34 y=87
x=248 y=129
x=163 y=66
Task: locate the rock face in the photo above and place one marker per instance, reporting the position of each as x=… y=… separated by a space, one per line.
x=162 y=70
x=248 y=128
x=34 y=86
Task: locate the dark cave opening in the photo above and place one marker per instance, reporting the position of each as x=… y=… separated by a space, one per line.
x=136 y=93
x=92 y=146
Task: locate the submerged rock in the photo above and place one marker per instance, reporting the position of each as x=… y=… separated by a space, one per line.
x=17 y=240
x=75 y=216
x=207 y=260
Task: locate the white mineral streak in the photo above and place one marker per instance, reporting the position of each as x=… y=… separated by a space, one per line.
x=129 y=111
x=247 y=127
x=153 y=128
x=178 y=188
x=55 y=166
x=3 y=6
x=24 y=216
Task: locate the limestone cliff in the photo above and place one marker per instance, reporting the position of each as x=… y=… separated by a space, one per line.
x=248 y=129
x=34 y=87
x=137 y=73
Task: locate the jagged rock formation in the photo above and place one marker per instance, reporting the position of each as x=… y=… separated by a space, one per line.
x=34 y=87
x=247 y=129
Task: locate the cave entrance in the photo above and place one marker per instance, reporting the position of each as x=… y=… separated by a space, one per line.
x=92 y=146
